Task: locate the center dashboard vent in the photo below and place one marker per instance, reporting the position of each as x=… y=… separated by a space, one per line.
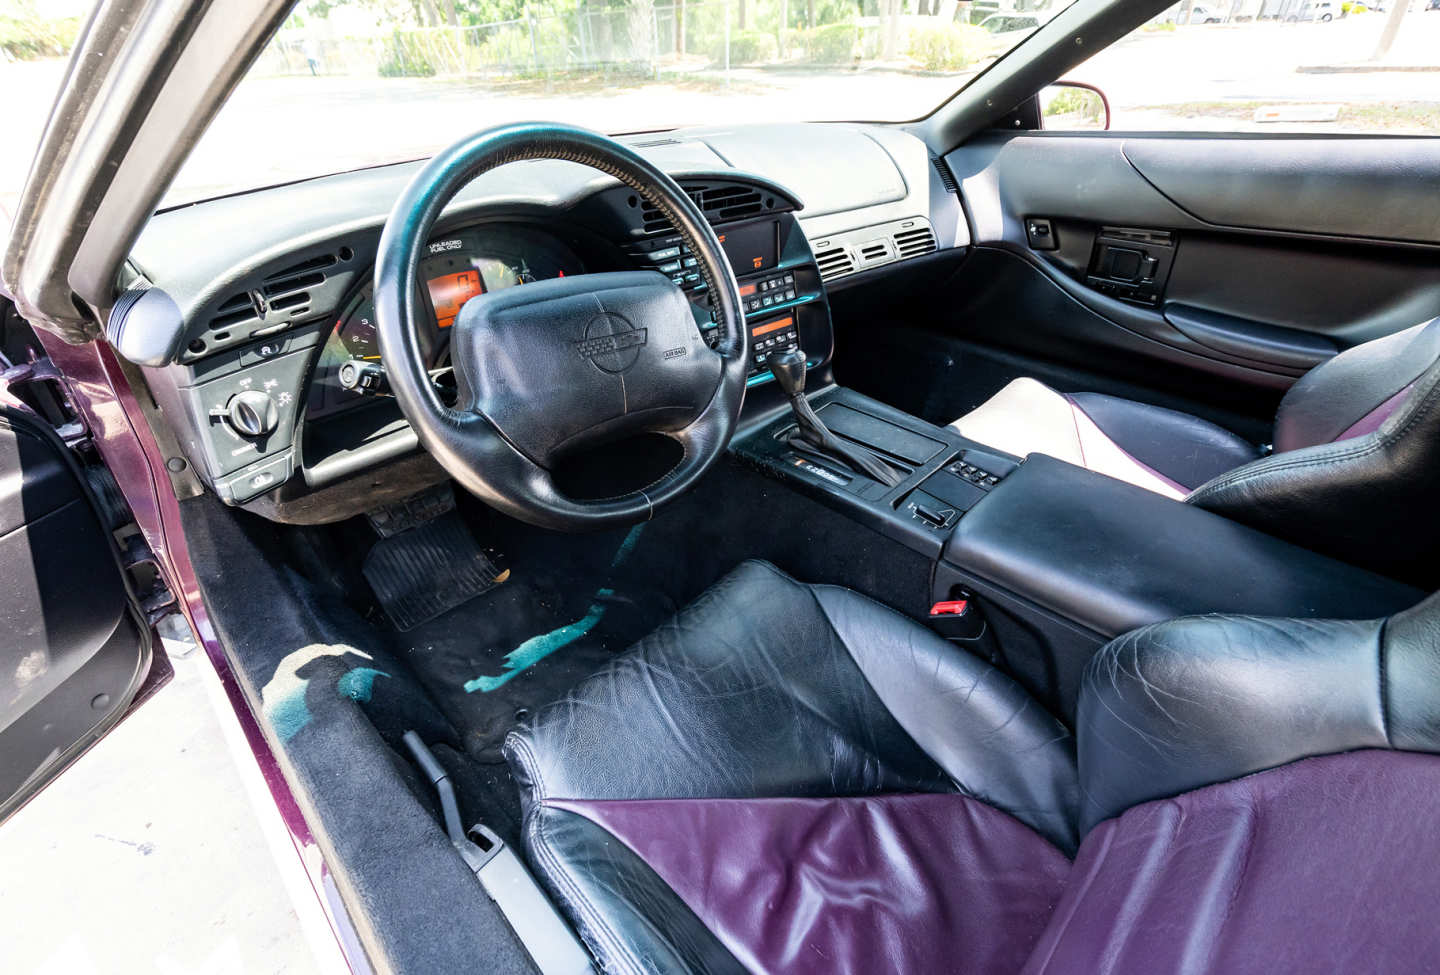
x=856 y=250
x=720 y=204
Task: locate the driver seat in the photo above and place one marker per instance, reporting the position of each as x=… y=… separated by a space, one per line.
x=794 y=778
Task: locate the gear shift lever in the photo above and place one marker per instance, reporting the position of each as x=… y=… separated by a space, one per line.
x=788 y=368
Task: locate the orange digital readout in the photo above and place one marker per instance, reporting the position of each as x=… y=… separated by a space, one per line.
x=449 y=291
x=774 y=326
x=746 y=290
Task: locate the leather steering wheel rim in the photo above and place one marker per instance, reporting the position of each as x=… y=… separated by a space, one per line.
x=470 y=445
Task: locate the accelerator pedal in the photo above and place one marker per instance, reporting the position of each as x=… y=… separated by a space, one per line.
x=426 y=561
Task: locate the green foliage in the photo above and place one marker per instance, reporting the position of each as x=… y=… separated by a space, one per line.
x=948 y=47
x=510 y=47
x=832 y=44
x=1076 y=101
x=406 y=57
x=746 y=47
x=24 y=34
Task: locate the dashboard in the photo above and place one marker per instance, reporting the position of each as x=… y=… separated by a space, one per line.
x=275 y=309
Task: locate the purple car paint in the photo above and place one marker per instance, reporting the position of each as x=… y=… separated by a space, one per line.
x=100 y=392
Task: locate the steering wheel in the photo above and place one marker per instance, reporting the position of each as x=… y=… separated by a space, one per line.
x=552 y=366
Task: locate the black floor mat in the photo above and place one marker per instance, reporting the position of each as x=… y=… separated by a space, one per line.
x=420 y=573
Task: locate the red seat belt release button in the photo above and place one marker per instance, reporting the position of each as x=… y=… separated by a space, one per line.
x=950 y=607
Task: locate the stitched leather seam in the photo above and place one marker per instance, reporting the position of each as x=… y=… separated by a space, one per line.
x=960 y=787
x=1384 y=684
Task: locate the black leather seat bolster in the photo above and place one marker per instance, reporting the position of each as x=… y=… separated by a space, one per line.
x=1184 y=448
x=747 y=692
x=1411 y=662
x=755 y=690
x=1379 y=487
x=1190 y=702
x=1335 y=395
x=630 y=918
x=991 y=737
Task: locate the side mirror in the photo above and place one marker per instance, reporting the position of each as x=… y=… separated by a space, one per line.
x=1070 y=105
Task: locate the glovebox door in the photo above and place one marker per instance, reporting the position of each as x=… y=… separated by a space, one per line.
x=73 y=646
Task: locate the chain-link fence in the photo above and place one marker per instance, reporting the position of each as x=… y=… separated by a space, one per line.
x=641 y=38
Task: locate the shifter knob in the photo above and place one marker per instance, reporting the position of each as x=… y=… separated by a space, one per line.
x=788 y=368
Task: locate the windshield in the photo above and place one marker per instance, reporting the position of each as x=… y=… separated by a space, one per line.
x=363 y=82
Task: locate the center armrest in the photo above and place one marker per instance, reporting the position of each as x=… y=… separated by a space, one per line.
x=1110 y=557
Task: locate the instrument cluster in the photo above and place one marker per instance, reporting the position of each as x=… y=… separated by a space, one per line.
x=459 y=265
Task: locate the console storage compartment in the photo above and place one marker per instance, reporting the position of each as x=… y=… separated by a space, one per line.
x=1062 y=560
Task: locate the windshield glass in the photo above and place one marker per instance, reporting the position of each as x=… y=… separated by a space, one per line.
x=361 y=82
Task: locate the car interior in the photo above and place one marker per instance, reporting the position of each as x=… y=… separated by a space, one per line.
x=825 y=547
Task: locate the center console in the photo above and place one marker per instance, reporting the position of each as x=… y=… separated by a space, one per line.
x=1050 y=561
x=939 y=475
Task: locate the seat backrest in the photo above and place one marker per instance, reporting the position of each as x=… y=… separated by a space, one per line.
x=1356 y=462
x=1356 y=391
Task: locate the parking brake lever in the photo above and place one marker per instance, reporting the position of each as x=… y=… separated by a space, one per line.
x=788 y=368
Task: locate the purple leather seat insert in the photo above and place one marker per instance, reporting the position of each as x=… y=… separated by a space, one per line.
x=889 y=883
x=1330 y=864
x=1326 y=864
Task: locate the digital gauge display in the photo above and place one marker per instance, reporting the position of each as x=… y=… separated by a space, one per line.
x=449 y=291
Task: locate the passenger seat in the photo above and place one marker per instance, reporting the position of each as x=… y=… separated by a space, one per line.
x=1352 y=475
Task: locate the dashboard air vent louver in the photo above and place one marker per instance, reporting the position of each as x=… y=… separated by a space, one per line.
x=852 y=251
x=719 y=204
x=292 y=300
x=834 y=262
x=914 y=242
x=233 y=310
x=306 y=274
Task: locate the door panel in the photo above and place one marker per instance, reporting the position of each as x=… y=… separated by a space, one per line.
x=1256 y=258
x=1350 y=187
x=73 y=650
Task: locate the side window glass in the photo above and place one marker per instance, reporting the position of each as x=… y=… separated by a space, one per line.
x=1317 y=66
